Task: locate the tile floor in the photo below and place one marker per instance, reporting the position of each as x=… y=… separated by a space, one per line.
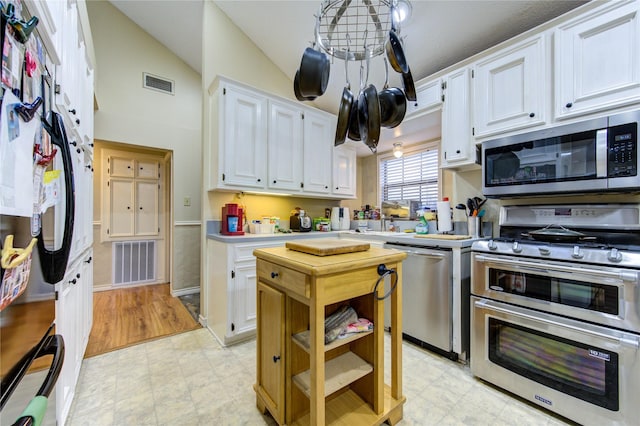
x=190 y=379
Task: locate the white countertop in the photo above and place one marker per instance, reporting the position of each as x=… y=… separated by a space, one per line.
x=389 y=237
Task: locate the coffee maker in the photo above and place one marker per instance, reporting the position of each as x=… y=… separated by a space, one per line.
x=231 y=220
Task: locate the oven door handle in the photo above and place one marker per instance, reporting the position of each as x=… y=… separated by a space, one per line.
x=629 y=276
x=489 y=305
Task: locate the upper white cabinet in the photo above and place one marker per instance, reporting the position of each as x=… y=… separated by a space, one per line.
x=266 y=144
x=458 y=145
x=344 y=167
x=242 y=124
x=285 y=149
x=597 y=60
x=509 y=88
x=428 y=96
x=319 y=132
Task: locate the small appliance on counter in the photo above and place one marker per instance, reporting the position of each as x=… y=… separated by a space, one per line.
x=232 y=220
x=305 y=222
x=340 y=219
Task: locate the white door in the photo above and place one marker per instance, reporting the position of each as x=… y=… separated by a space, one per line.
x=121 y=216
x=244 y=161
x=597 y=60
x=344 y=171
x=147 y=204
x=285 y=147
x=456 y=123
x=510 y=89
x=244 y=298
x=319 y=132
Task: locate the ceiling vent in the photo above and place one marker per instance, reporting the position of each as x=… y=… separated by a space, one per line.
x=159 y=84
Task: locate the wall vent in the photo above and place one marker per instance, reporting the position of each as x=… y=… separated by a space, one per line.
x=134 y=262
x=159 y=84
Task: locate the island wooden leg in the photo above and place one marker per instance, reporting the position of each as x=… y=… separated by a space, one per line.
x=396 y=337
x=378 y=357
x=316 y=358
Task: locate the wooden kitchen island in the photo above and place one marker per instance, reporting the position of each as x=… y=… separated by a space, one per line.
x=300 y=380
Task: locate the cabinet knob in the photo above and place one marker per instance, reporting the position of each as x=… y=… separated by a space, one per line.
x=78 y=275
x=457 y=151
x=276 y=358
x=274 y=274
x=88 y=260
x=140 y=207
x=259 y=180
x=73 y=281
x=78 y=150
x=326 y=187
x=74 y=143
x=78 y=121
x=88 y=166
x=274 y=181
x=533 y=114
x=128 y=207
x=73 y=111
x=569 y=105
x=337 y=188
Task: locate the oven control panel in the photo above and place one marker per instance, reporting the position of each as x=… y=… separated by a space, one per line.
x=623 y=151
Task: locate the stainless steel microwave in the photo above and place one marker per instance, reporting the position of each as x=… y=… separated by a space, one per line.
x=599 y=155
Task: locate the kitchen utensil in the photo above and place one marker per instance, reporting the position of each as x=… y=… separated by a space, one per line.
x=409 y=86
x=471 y=205
x=479 y=202
x=344 y=112
x=393 y=104
x=314 y=72
x=296 y=89
x=369 y=117
x=28 y=111
x=394 y=50
x=557 y=234
x=462 y=207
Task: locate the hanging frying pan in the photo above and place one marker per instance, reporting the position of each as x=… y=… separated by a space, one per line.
x=354 y=125
x=369 y=117
x=409 y=86
x=346 y=103
x=394 y=50
x=393 y=104
x=314 y=73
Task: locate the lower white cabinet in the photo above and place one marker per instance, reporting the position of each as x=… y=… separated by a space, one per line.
x=231 y=289
x=74 y=318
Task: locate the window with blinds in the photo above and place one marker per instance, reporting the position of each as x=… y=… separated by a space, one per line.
x=413 y=176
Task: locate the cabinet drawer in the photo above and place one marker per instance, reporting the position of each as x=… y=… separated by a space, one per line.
x=294 y=281
x=244 y=252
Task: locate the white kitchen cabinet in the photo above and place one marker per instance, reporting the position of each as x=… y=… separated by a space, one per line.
x=132 y=197
x=285 y=147
x=597 y=60
x=458 y=144
x=319 y=135
x=243 y=147
x=344 y=167
x=231 y=289
x=428 y=96
x=510 y=89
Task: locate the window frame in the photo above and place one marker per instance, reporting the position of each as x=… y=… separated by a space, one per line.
x=410 y=150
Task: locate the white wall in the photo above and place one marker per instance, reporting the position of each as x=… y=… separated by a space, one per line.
x=128 y=113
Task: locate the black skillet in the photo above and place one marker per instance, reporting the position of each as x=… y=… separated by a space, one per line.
x=369 y=117
x=346 y=104
x=296 y=89
x=393 y=47
x=409 y=86
x=393 y=104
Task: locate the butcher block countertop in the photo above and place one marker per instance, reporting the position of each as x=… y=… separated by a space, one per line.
x=323 y=265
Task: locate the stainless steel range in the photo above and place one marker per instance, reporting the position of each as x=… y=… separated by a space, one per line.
x=555 y=309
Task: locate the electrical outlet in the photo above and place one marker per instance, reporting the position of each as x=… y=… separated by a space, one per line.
x=187 y=201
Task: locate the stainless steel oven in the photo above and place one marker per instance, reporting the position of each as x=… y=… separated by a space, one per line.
x=558 y=321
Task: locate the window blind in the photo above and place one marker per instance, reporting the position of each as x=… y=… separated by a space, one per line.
x=411 y=177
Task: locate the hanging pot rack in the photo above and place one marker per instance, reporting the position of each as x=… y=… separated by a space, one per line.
x=353 y=30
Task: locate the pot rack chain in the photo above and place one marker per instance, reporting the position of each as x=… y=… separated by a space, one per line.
x=353 y=30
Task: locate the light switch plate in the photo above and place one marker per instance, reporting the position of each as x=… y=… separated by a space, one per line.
x=187 y=201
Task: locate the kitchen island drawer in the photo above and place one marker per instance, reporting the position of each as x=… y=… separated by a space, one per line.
x=293 y=281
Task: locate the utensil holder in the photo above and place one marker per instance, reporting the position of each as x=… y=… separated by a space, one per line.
x=474 y=226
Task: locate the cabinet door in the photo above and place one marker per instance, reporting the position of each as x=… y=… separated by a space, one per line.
x=244 y=298
x=456 y=125
x=121 y=167
x=285 y=147
x=509 y=89
x=344 y=171
x=121 y=222
x=597 y=60
x=428 y=95
x=146 y=214
x=319 y=132
x=244 y=145
x=147 y=169
x=270 y=341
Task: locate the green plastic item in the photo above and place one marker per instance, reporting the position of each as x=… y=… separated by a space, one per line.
x=36 y=409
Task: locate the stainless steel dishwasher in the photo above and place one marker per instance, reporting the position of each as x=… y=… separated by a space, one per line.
x=427 y=297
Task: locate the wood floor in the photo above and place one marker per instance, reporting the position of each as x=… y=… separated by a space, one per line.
x=124 y=317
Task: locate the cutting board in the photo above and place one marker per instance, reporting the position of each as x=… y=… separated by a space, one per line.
x=443 y=236
x=326 y=246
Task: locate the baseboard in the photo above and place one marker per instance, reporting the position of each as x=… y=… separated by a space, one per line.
x=185 y=291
